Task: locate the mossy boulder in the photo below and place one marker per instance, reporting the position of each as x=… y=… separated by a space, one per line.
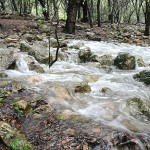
x=62 y=44
x=10 y=137
x=143 y=76
x=24 y=47
x=105 y=60
x=83 y=88
x=85 y=55
x=125 y=61
x=138 y=108
x=36 y=67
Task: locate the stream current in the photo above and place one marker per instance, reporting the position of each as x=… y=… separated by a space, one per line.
x=107 y=107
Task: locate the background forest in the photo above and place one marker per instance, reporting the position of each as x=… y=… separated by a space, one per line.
x=92 y=11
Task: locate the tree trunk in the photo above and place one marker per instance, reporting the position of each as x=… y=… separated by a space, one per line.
x=147 y=19
x=71 y=15
x=85 y=12
x=14 y=5
x=56 y=16
x=20 y=7
x=3 y=4
x=90 y=15
x=25 y=7
x=45 y=13
x=36 y=6
x=98 y=13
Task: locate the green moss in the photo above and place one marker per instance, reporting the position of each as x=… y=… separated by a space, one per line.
x=83 y=88
x=143 y=76
x=142 y=106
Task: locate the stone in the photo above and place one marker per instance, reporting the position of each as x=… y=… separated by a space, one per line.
x=38 y=51
x=10 y=40
x=83 y=88
x=10 y=135
x=106 y=90
x=85 y=55
x=17 y=87
x=139 y=108
x=62 y=44
x=7 y=59
x=137 y=41
x=3 y=75
x=143 y=76
x=105 y=60
x=36 y=67
x=93 y=37
x=140 y=61
x=44 y=109
x=24 y=47
x=125 y=61
x=24 y=105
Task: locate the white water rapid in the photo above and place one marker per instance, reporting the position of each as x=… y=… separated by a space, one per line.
x=105 y=107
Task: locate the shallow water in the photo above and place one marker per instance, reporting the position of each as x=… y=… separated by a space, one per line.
x=104 y=107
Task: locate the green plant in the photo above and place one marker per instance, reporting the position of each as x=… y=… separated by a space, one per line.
x=2 y=94
x=19 y=112
x=16 y=146
x=61 y=117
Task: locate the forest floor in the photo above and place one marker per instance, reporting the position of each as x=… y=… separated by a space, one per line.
x=51 y=132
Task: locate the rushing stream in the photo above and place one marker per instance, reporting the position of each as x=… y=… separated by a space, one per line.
x=106 y=107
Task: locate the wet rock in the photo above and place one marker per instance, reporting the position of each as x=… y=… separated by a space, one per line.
x=83 y=88
x=75 y=47
x=43 y=109
x=91 y=78
x=24 y=47
x=11 y=137
x=62 y=44
x=93 y=37
x=17 y=87
x=3 y=75
x=85 y=55
x=24 y=105
x=125 y=61
x=140 y=61
x=105 y=60
x=106 y=90
x=139 y=108
x=35 y=78
x=38 y=51
x=7 y=59
x=36 y=67
x=78 y=119
x=143 y=76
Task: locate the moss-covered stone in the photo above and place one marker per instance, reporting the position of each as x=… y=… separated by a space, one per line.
x=83 y=88
x=62 y=44
x=138 y=108
x=9 y=135
x=37 y=68
x=24 y=47
x=85 y=55
x=3 y=75
x=143 y=76
x=125 y=61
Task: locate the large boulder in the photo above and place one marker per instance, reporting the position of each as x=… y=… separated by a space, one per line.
x=143 y=76
x=85 y=55
x=38 y=51
x=12 y=138
x=7 y=59
x=138 y=108
x=3 y=75
x=125 y=61
x=33 y=66
x=105 y=60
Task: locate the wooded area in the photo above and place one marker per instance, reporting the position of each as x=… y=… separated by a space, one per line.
x=92 y=11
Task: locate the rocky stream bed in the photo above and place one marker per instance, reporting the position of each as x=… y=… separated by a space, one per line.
x=96 y=96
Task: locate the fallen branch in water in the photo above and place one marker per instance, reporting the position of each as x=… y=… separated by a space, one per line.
x=58 y=46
